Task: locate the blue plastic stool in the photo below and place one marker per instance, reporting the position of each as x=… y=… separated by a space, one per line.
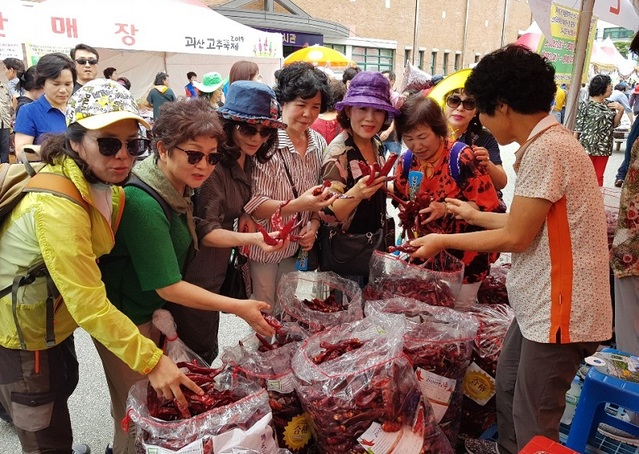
x=598 y=390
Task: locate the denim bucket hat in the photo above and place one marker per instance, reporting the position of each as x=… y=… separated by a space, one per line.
x=252 y=102
x=369 y=89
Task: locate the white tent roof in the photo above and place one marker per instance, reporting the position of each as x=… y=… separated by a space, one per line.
x=179 y=26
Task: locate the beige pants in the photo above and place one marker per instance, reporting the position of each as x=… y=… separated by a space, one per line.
x=120 y=378
x=266 y=276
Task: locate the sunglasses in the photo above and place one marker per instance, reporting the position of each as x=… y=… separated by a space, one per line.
x=249 y=131
x=454 y=102
x=110 y=146
x=84 y=61
x=193 y=157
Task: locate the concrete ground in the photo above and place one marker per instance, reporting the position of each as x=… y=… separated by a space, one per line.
x=92 y=423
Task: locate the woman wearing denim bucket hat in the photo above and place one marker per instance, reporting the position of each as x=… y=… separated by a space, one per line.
x=364 y=112
x=250 y=119
x=211 y=88
x=95 y=153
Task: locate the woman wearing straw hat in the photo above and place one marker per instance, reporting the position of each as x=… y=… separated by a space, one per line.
x=250 y=119
x=211 y=88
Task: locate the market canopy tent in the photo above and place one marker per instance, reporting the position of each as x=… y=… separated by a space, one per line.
x=141 y=30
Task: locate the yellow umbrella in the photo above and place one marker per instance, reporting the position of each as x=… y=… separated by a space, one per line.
x=319 y=56
x=448 y=84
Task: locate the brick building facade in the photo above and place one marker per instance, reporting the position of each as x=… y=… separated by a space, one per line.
x=379 y=34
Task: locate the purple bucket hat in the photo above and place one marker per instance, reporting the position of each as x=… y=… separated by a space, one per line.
x=252 y=102
x=369 y=89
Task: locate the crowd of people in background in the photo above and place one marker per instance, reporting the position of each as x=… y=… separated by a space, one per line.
x=216 y=164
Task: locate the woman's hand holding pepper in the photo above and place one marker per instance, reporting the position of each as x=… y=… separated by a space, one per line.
x=462 y=210
x=166 y=378
x=258 y=240
x=435 y=210
x=310 y=200
x=251 y=312
x=362 y=191
x=428 y=246
x=307 y=237
x=481 y=155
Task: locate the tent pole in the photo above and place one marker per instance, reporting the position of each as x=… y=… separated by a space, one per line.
x=579 y=59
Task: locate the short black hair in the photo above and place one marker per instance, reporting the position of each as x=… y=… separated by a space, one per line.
x=28 y=79
x=14 y=63
x=598 y=85
x=391 y=75
x=303 y=80
x=620 y=87
x=50 y=66
x=109 y=72
x=349 y=73
x=126 y=83
x=190 y=74
x=160 y=78
x=84 y=47
x=513 y=75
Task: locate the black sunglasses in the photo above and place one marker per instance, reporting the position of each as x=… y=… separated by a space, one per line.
x=249 y=131
x=110 y=146
x=454 y=102
x=193 y=157
x=84 y=61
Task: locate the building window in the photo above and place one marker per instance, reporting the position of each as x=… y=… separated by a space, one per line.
x=373 y=59
x=617 y=33
x=338 y=47
x=421 y=59
x=457 y=62
x=477 y=57
x=446 y=54
x=433 y=62
x=406 y=56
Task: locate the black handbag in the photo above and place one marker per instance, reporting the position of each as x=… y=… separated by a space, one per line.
x=348 y=254
x=237 y=283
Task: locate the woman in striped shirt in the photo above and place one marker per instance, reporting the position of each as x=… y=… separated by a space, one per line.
x=290 y=176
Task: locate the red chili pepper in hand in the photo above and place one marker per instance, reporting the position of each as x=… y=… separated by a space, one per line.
x=318 y=190
x=363 y=167
x=268 y=239
x=289 y=227
x=404 y=247
x=390 y=162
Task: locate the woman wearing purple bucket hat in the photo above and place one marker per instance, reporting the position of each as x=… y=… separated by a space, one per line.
x=250 y=119
x=364 y=112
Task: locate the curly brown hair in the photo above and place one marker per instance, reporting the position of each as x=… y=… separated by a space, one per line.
x=183 y=120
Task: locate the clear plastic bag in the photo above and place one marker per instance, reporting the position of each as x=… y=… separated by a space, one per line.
x=437 y=282
x=301 y=293
x=479 y=404
x=272 y=371
x=367 y=397
x=173 y=347
x=245 y=422
x=440 y=348
x=493 y=287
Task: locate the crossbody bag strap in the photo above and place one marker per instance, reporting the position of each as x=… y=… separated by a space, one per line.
x=288 y=175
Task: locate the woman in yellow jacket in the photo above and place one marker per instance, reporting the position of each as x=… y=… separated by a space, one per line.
x=39 y=366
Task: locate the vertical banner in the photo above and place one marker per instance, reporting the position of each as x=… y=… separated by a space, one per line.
x=560 y=49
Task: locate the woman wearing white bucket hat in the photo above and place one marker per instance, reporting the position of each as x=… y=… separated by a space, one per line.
x=211 y=88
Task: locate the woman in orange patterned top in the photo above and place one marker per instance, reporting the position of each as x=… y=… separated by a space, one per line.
x=446 y=169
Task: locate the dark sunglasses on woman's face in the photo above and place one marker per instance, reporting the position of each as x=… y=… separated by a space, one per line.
x=454 y=101
x=193 y=157
x=110 y=146
x=249 y=131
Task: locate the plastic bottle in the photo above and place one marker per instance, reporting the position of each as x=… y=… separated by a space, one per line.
x=572 y=398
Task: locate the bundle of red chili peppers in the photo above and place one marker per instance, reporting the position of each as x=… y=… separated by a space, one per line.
x=375 y=170
x=433 y=292
x=284 y=230
x=204 y=377
x=493 y=287
x=328 y=305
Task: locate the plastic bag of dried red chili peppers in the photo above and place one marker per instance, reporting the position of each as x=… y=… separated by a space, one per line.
x=319 y=300
x=360 y=392
x=479 y=405
x=436 y=283
x=440 y=348
x=245 y=411
x=493 y=287
x=272 y=371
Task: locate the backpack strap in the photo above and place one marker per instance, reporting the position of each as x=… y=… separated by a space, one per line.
x=137 y=183
x=453 y=161
x=60 y=186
